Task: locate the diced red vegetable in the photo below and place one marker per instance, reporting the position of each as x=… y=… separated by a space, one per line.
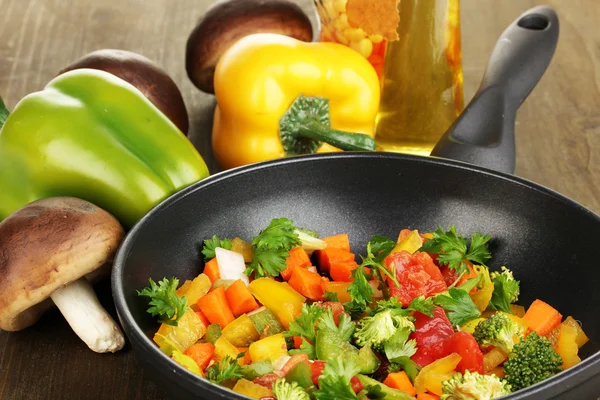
x=429 y=334
x=465 y=345
x=317 y=367
x=417 y=275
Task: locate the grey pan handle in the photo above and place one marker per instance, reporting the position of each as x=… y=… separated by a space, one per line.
x=484 y=134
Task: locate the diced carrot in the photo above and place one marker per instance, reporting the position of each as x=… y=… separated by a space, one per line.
x=211 y=269
x=240 y=299
x=215 y=307
x=202 y=353
x=542 y=317
x=298 y=258
x=472 y=274
x=342 y=271
x=400 y=381
x=340 y=241
x=247 y=360
x=201 y=316
x=297 y=341
x=332 y=255
x=427 y=396
x=339 y=288
x=307 y=283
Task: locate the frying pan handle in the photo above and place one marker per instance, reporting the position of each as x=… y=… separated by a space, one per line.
x=484 y=133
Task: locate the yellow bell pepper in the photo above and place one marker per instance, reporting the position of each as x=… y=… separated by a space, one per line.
x=411 y=243
x=187 y=332
x=430 y=378
x=272 y=347
x=566 y=346
x=241 y=331
x=279 y=297
x=251 y=389
x=262 y=76
x=224 y=348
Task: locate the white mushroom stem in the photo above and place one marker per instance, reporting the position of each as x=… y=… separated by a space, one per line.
x=79 y=305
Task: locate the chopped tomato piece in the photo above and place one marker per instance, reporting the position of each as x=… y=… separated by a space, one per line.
x=417 y=275
x=337 y=309
x=429 y=334
x=465 y=345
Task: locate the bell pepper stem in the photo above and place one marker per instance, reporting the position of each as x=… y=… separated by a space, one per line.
x=3 y=113
x=347 y=141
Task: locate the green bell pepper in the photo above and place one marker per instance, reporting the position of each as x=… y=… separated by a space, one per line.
x=91 y=135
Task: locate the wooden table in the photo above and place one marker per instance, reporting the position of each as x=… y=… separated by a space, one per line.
x=558 y=139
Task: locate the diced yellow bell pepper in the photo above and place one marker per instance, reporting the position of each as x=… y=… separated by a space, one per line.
x=183 y=288
x=271 y=347
x=278 y=297
x=470 y=325
x=186 y=362
x=197 y=288
x=244 y=248
x=566 y=346
x=431 y=376
x=224 y=348
x=498 y=371
x=482 y=296
x=493 y=359
x=188 y=331
x=581 y=338
x=517 y=310
x=411 y=243
x=241 y=332
x=251 y=389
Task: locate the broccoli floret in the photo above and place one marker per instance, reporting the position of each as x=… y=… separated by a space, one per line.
x=284 y=390
x=532 y=361
x=380 y=327
x=474 y=386
x=499 y=331
x=511 y=286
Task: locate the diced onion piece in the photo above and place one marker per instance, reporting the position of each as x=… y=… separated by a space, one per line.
x=231 y=265
x=280 y=362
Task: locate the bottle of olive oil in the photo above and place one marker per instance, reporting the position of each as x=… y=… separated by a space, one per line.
x=422 y=85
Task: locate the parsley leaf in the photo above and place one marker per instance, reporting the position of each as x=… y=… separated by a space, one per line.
x=458 y=305
x=334 y=383
x=381 y=247
x=305 y=348
x=398 y=349
x=420 y=304
x=226 y=369
x=452 y=250
x=331 y=296
x=360 y=292
x=211 y=244
x=164 y=301
x=304 y=324
x=506 y=290
x=272 y=247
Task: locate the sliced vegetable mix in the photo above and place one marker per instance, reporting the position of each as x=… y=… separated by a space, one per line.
x=293 y=316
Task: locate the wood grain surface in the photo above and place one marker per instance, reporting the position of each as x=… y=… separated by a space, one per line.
x=558 y=138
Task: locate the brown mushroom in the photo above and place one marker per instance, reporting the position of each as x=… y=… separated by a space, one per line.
x=50 y=252
x=147 y=76
x=227 y=21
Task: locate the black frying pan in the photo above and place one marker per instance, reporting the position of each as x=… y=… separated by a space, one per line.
x=548 y=240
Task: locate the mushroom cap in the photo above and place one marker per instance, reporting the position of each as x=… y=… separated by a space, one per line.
x=48 y=244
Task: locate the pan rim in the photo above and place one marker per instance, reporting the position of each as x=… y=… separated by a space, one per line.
x=575 y=375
